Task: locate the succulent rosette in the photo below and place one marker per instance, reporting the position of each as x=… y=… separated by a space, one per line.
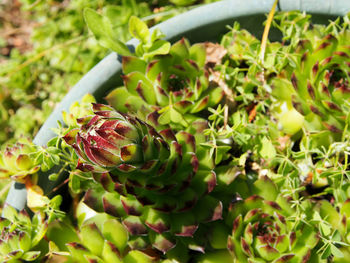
x=78 y=110
x=176 y=85
x=314 y=92
x=262 y=229
x=19 y=235
x=156 y=182
x=16 y=162
x=105 y=239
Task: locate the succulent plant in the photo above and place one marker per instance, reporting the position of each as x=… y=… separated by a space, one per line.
x=157 y=183
x=105 y=239
x=78 y=110
x=16 y=162
x=263 y=230
x=240 y=69
x=176 y=85
x=20 y=234
x=314 y=91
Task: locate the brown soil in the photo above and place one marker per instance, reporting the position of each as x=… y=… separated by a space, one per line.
x=15 y=27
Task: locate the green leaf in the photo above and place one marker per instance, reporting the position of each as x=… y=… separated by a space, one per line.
x=265 y=188
x=156 y=34
x=123 y=101
x=10 y=213
x=118 y=15
x=182 y=2
x=267 y=150
x=110 y=254
x=160 y=47
x=326 y=230
x=137 y=256
x=58 y=240
x=116 y=233
x=92 y=238
x=131 y=64
x=93 y=258
x=52 y=142
x=4 y=248
x=56 y=201
x=74 y=183
x=180 y=51
x=101 y=27
x=164 y=117
x=175 y=116
x=221 y=153
x=30 y=255
x=336 y=252
x=326 y=252
x=198 y=54
x=53 y=176
x=132 y=5
x=139 y=29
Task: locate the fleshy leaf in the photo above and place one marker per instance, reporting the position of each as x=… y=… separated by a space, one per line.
x=102 y=29
x=139 y=29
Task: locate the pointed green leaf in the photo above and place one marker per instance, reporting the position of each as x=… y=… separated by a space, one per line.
x=175 y=116
x=336 y=252
x=138 y=85
x=157 y=34
x=10 y=213
x=131 y=64
x=139 y=29
x=102 y=29
x=267 y=150
x=198 y=54
x=25 y=241
x=266 y=188
x=215 y=96
x=109 y=253
x=78 y=251
x=31 y=255
x=137 y=256
x=4 y=247
x=164 y=117
x=116 y=233
x=160 y=47
x=92 y=238
x=122 y=100
x=200 y=105
x=180 y=51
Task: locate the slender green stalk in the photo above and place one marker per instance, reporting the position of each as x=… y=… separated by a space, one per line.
x=266 y=31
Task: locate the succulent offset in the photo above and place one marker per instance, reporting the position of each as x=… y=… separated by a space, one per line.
x=262 y=230
x=176 y=85
x=104 y=239
x=19 y=235
x=78 y=110
x=16 y=162
x=157 y=183
x=316 y=88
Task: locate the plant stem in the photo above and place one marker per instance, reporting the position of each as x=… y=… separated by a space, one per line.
x=266 y=32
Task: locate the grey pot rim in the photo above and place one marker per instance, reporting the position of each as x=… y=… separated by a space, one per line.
x=106 y=73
